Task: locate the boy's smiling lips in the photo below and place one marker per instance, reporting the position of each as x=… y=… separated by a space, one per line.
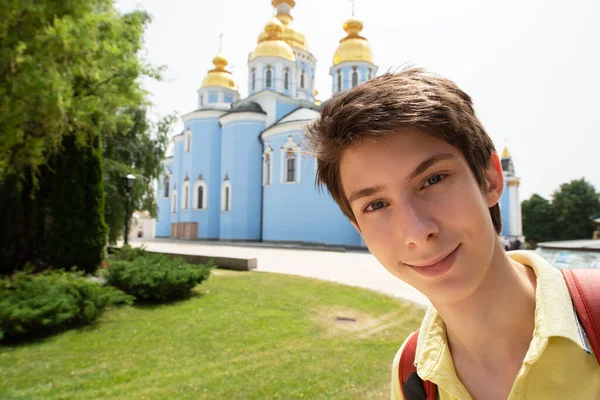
x=436 y=266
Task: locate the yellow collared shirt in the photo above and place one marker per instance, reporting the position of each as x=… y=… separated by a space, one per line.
x=558 y=365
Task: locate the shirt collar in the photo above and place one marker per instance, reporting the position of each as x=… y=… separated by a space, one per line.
x=555 y=316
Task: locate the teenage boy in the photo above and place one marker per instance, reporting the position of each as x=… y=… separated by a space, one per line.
x=409 y=163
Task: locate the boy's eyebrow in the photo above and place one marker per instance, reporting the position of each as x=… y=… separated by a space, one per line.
x=368 y=191
x=425 y=165
x=422 y=167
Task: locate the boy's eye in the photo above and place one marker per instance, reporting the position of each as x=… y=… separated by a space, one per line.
x=432 y=180
x=376 y=205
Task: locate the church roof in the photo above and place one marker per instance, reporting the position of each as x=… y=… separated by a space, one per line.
x=298 y=114
x=247 y=106
x=302 y=113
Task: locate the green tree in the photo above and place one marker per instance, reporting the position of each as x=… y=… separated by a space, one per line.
x=139 y=151
x=66 y=68
x=574 y=203
x=75 y=228
x=539 y=219
x=69 y=70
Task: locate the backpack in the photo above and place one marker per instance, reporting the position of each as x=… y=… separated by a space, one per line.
x=584 y=287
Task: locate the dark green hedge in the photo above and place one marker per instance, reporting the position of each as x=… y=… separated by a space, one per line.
x=34 y=305
x=155 y=277
x=75 y=228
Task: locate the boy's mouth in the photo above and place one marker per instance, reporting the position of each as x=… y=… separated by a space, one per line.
x=437 y=266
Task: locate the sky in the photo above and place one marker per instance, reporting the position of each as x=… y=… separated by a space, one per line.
x=531 y=67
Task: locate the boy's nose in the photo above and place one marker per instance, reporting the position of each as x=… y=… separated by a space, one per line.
x=416 y=226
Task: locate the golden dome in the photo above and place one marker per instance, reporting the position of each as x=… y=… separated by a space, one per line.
x=290 y=3
x=506 y=153
x=270 y=43
x=219 y=76
x=353 y=47
x=290 y=35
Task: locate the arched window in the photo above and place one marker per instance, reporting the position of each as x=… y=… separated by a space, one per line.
x=290 y=165
x=174 y=202
x=200 y=199
x=269 y=77
x=188 y=140
x=185 y=200
x=200 y=195
x=267 y=165
x=166 y=186
x=201 y=100
x=253 y=79
x=339 y=81
x=354 y=78
x=302 y=80
x=226 y=196
x=286 y=79
x=369 y=75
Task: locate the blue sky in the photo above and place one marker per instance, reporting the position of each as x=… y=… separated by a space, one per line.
x=532 y=67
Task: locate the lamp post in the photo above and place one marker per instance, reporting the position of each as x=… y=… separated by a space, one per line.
x=128 y=182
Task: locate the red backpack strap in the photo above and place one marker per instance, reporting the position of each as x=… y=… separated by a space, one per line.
x=406 y=368
x=584 y=286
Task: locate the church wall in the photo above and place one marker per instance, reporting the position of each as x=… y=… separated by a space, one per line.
x=205 y=160
x=213 y=97
x=505 y=210
x=308 y=92
x=362 y=74
x=241 y=162
x=163 y=220
x=297 y=212
x=177 y=178
x=283 y=109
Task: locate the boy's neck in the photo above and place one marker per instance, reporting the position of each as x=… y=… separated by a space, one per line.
x=492 y=329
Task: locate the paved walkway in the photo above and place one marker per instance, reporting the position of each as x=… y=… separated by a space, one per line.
x=354 y=268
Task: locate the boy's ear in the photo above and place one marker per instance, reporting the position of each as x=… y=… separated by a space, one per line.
x=495 y=180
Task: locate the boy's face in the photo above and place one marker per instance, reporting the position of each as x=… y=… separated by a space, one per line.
x=422 y=213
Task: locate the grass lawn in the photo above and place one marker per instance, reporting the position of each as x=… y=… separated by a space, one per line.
x=242 y=336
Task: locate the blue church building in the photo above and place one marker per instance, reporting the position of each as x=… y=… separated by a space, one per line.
x=238 y=172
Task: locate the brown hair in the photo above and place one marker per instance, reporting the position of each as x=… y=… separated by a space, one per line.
x=384 y=105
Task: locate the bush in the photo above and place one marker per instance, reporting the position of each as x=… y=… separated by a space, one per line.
x=127 y=253
x=156 y=278
x=52 y=301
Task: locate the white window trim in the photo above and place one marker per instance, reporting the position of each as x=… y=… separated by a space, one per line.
x=268 y=151
x=226 y=184
x=188 y=140
x=195 y=195
x=186 y=185
x=174 y=202
x=295 y=147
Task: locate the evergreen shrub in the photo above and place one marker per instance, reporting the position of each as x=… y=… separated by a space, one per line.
x=40 y=304
x=75 y=228
x=156 y=277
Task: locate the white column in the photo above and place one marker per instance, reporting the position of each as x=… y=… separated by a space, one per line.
x=513 y=224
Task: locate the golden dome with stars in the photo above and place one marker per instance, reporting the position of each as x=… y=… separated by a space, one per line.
x=353 y=47
x=219 y=76
x=271 y=44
